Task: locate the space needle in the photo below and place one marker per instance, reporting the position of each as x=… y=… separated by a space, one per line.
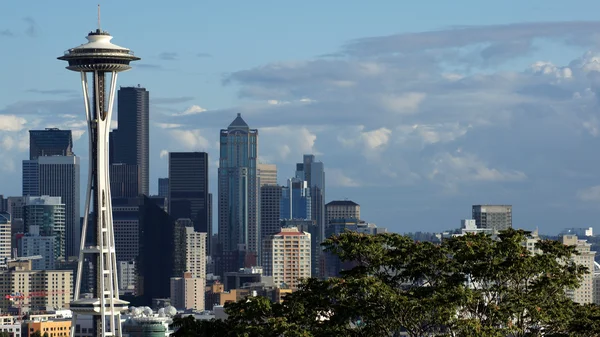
x=103 y=60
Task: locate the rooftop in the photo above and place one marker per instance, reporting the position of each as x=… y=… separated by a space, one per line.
x=238 y=122
x=342 y=203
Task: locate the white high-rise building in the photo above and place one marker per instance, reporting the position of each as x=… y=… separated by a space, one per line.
x=195 y=256
x=5 y=238
x=126 y=275
x=286 y=257
x=585 y=293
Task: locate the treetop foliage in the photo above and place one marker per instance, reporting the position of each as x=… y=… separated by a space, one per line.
x=470 y=285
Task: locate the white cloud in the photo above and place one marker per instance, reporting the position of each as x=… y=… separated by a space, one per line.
x=287 y=141
x=168 y=125
x=371 y=143
x=337 y=178
x=7 y=142
x=376 y=138
x=192 y=110
x=463 y=167
x=77 y=134
x=589 y=194
x=407 y=103
x=425 y=134
x=11 y=123
x=164 y=154
x=190 y=139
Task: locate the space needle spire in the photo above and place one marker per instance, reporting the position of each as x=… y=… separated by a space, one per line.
x=102 y=60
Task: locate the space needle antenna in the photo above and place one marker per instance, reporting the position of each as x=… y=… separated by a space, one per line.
x=98 y=62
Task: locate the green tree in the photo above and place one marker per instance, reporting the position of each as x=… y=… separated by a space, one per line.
x=471 y=285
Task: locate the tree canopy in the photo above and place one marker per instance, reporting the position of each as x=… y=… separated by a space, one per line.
x=471 y=285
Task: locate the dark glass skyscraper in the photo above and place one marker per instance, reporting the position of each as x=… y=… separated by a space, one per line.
x=238 y=195
x=50 y=142
x=313 y=172
x=163 y=187
x=188 y=190
x=130 y=142
x=124 y=181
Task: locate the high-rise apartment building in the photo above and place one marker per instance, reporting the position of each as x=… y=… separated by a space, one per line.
x=195 y=252
x=188 y=189
x=296 y=200
x=342 y=209
x=124 y=180
x=313 y=172
x=585 y=292
x=49 y=216
x=55 y=285
x=32 y=244
x=163 y=187
x=50 y=142
x=130 y=142
x=495 y=217
x=238 y=195
x=267 y=174
x=5 y=238
x=287 y=257
x=58 y=176
x=270 y=213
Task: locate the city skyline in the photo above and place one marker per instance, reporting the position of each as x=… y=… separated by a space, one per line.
x=469 y=115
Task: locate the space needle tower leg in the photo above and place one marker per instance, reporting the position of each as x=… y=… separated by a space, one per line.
x=103 y=60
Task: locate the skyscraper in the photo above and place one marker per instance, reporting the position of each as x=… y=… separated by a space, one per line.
x=270 y=214
x=296 y=200
x=130 y=143
x=267 y=174
x=341 y=209
x=47 y=214
x=313 y=172
x=5 y=238
x=495 y=217
x=124 y=181
x=238 y=195
x=188 y=189
x=57 y=176
x=50 y=142
x=163 y=187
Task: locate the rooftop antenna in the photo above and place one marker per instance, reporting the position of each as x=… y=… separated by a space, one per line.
x=99 y=18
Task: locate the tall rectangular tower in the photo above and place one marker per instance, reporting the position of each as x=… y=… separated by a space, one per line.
x=50 y=142
x=267 y=174
x=124 y=181
x=48 y=215
x=131 y=141
x=188 y=189
x=270 y=214
x=163 y=187
x=495 y=217
x=313 y=172
x=57 y=176
x=238 y=195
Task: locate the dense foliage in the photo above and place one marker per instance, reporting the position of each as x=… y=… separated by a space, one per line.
x=467 y=286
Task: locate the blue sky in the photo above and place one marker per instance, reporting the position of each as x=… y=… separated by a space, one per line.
x=417 y=109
